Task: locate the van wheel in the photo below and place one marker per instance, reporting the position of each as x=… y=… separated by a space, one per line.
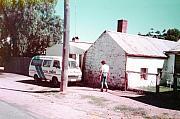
x=55 y=82
x=36 y=78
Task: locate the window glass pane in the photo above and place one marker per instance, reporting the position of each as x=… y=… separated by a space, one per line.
x=144 y=72
x=36 y=62
x=47 y=63
x=73 y=56
x=56 y=64
x=72 y=64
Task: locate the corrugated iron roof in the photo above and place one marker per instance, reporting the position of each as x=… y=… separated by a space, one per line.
x=142 y=46
x=176 y=48
x=74 y=48
x=82 y=45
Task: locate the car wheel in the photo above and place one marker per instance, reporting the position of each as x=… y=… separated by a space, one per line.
x=36 y=78
x=55 y=82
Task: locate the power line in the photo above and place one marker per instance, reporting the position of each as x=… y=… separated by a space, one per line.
x=75 y=15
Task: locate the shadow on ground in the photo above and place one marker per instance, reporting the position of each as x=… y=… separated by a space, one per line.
x=165 y=100
x=29 y=91
x=1 y=71
x=42 y=83
x=49 y=84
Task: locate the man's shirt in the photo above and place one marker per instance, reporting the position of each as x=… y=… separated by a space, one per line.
x=105 y=68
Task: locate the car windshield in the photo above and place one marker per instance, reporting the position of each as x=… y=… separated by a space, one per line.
x=72 y=64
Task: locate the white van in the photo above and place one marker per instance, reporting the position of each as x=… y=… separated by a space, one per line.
x=49 y=68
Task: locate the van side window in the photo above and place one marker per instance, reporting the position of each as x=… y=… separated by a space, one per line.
x=72 y=64
x=36 y=62
x=56 y=64
x=47 y=63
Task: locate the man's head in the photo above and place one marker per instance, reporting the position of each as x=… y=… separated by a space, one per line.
x=103 y=62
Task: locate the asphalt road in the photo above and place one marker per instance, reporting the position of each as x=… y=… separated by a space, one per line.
x=8 y=111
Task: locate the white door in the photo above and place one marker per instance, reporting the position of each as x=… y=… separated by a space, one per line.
x=46 y=67
x=56 y=69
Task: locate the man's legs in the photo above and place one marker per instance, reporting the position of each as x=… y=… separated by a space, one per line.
x=106 y=84
x=105 y=80
x=102 y=82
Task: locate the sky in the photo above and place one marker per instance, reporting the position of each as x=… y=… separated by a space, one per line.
x=90 y=18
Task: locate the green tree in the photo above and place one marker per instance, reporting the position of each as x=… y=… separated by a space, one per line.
x=11 y=14
x=44 y=29
x=171 y=34
x=31 y=25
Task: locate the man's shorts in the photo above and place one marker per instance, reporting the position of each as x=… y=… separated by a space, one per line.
x=104 y=77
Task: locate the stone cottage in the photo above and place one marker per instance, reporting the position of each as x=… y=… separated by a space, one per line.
x=134 y=60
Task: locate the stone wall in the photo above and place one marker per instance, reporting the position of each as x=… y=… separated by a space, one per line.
x=105 y=48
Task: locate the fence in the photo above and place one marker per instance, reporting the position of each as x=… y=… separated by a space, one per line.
x=19 y=65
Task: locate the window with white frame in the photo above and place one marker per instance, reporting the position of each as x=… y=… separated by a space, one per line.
x=144 y=73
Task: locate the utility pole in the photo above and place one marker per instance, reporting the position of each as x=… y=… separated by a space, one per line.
x=64 y=73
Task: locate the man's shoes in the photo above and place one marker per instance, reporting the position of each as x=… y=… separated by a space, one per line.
x=101 y=90
x=106 y=89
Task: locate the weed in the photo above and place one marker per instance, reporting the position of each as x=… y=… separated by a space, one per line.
x=138 y=112
x=95 y=100
x=130 y=110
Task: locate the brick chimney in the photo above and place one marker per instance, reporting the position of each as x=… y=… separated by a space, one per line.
x=122 y=26
x=75 y=39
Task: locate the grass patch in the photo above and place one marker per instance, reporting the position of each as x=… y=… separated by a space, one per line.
x=138 y=112
x=157 y=117
x=165 y=89
x=98 y=101
x=130 y=110
x=153 y=89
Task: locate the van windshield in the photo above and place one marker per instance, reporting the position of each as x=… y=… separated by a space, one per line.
x=72 y=64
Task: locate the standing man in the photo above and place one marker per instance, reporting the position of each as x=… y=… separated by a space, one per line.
x=104 y=74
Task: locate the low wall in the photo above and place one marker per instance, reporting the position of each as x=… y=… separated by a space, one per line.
x=19 y=65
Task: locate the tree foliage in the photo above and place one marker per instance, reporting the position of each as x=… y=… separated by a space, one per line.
x=173 y=34
x=44 y=29
x=31 y=24
x=170 y=34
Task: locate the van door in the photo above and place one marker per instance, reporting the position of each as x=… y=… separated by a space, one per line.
x=46 y=67
x=35 y=68
x=73 y=73
x=56 y=69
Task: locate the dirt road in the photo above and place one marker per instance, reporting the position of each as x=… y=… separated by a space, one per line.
x=43 y=101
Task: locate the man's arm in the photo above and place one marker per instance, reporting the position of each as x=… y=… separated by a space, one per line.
x=100 y=75
x=108 y=76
